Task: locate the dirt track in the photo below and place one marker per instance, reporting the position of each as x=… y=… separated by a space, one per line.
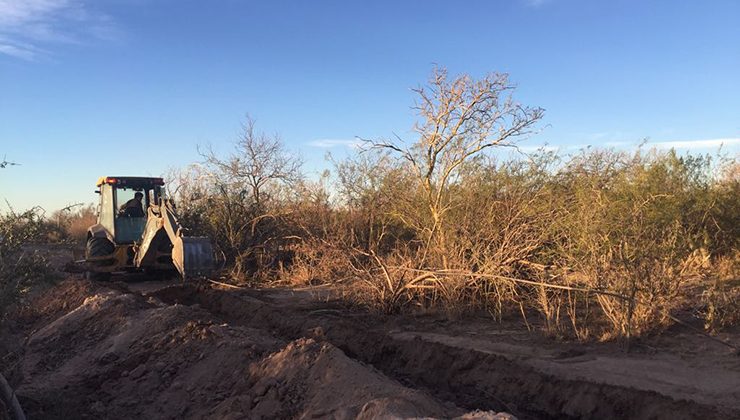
x=148 y=350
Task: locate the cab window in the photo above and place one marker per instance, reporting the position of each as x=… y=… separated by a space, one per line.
x=127 y=203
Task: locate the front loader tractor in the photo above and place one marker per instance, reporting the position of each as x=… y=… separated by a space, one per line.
x=138 y=230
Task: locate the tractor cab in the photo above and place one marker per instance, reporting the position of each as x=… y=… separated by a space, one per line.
x=123 y=206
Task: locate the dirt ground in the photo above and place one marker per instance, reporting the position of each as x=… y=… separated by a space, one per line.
x=156 y=349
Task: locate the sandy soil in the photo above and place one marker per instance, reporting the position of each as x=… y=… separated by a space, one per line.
x=102 y=351
x=478 y=364
x=143 y=349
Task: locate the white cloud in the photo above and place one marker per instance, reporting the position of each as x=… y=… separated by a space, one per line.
x=729 y=142
x=18 y=49
x=331 y=143
x=29 y=27
x=696 y=144
x=617 y=143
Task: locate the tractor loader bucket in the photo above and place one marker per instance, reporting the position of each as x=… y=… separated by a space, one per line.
x=192 y=256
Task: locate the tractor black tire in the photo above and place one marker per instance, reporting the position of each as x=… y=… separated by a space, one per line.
x=98 y=247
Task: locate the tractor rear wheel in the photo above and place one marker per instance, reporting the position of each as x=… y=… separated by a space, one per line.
x=98 y=247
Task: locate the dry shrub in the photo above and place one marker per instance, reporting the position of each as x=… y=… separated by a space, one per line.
x=502 y=298
x=721 y=300
x=317 y=263
x=597 y=244
x=633 y=224
x=79 y=222
x=71 y=223
x=389 y=284
x=21 y=268
x=18 y=229
x=652 y=288
x=628 y=233
x=19 y=272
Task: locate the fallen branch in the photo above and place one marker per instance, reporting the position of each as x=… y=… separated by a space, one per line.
x=225 y=284
x=704 y=333
x=448 y=272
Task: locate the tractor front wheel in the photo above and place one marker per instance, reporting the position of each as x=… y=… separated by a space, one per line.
x=98 y=247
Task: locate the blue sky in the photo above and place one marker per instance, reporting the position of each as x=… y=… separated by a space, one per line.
x=107 y=87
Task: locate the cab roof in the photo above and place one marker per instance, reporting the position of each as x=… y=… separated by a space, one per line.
x=129 y=181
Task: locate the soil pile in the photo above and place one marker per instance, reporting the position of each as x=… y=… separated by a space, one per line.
x=192 y=350
x=115 y=354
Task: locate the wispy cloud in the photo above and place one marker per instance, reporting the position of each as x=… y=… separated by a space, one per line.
x=618 y=143
x=30 y=28
x=728 y=142
x=18 y=49
x=696 y=144
x=675 y=144
x=706 y=144
x=331 y=143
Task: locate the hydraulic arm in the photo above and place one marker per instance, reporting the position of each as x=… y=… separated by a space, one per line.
x=192 y=256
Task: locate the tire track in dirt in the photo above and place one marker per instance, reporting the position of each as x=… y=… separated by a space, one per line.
x=468 y=378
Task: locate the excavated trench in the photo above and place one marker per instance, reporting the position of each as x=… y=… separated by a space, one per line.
x=102 y=350
x=469 y=378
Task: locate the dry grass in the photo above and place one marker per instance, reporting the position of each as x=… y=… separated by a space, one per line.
x=722 y=298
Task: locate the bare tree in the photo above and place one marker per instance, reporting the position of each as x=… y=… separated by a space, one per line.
x=258 y=161
x=459 y=119
x=243 y=207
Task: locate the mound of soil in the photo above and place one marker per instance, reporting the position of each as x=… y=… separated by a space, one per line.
x=173 y=350
x=99 y=352
x=54 y=302
x=476 y=366
x=320 y=381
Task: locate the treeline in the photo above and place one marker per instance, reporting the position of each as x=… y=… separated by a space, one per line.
x=601 y=243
